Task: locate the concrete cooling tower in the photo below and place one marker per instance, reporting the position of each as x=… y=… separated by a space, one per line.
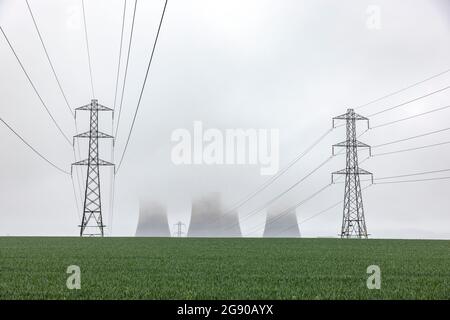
x=152 y=220
x=230 y=226
x=280 y=224
x=207 y=219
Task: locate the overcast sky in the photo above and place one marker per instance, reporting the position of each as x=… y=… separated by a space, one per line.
x=289 y=65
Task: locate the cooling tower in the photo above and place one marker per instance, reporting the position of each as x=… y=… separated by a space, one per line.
x=205 y=216
x=230 y=225
x=152 y=220
x=208 y=220
x=280 y=224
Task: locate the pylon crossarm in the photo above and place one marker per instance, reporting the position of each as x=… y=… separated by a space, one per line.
x=80 y=163
x=369 y=173
x=90 y=226
x=103 y=108
x=341 y=144
x=352 y=116
x=357 y=143
x=345 y=144
x=100 y=135
x=85 y=107
x=350 y=172
x=360 y=144
x=343 y=171
x=349 y=116
x=91 y=106
x=341 y=117
x=100 y=162
x=104 y=163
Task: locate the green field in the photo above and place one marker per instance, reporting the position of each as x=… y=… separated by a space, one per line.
x=189 y=268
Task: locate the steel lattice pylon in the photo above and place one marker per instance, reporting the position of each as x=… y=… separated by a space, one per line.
x=92 y=220
x=353 y=221
x=179 y=232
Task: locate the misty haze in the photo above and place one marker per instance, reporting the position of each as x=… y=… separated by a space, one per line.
x=287 y=65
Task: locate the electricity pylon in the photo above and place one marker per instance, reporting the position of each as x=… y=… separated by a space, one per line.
x=92 y=220
x=178 y=233
x=353 y=221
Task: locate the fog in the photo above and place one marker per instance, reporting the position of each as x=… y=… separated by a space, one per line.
x=256 y=64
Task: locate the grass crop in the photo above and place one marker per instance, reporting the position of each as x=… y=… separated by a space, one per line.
x=196 y=268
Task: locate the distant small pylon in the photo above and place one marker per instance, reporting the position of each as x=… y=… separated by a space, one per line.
x=179 y=232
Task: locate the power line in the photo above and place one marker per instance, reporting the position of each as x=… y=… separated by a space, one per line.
x=377 y=183
x=403 y=89
x=143 y=86
x=296 y=184
x=311 y=217
x=63 y=94
x=410 y=175
x=312 y=196
x=34 y=88
x=279 y=174
x=409 y=101
x=415 y=180
x=291 y=208
x=410 y=138
x=112 y=198
x=77 y=172
x=319 y=213
x=410 y=117
x=113 y=186
x=87 y=49
x=126 y=68
x=292 y=163
x=255 y=211
x=309 y=198
x=274 y=178
x=33 y=149
x=120 y=54
x=413 y=174
x=75 y=196
x=411 y=149
x=113 y=176
x=48 y=58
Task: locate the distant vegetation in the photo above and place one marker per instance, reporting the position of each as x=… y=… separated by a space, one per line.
x=189 y=268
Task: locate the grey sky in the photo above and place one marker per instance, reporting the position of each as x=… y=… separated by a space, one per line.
x=290 y=65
